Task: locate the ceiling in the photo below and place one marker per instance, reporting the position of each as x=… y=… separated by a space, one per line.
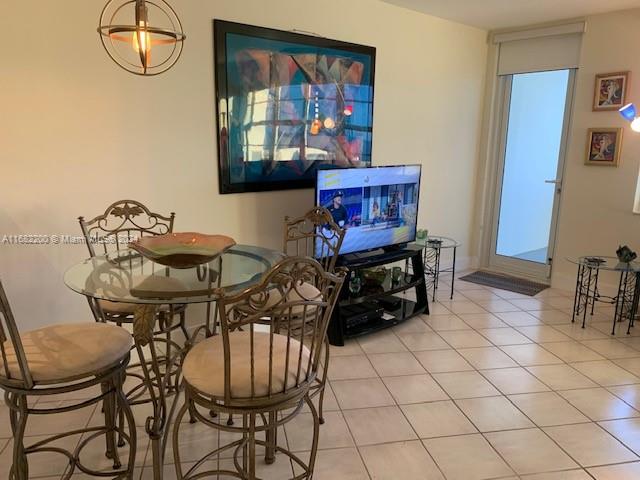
x=496 y=14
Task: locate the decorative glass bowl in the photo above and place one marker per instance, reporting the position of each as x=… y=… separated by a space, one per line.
x=182 y=250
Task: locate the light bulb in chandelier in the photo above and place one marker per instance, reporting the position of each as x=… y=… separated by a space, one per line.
x=130 y=30
x=141 y=37
x=141 y=44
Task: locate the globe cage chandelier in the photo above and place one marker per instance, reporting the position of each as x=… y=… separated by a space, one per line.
x=143 y=37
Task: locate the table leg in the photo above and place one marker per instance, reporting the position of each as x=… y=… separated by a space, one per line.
x=585 y=283
x=586 y=302
x=577 y=297
x=436 y=273
x=634 y=305
x=617 y=316
x=595 y=293
x=626 y=300
x=429 y=262
x=157 y=382
x=453 y=271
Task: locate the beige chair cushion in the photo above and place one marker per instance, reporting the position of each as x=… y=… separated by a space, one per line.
x=69 y=351
x=203 y=368
x=304 y=292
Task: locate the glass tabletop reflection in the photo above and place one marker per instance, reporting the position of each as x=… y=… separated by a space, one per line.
x=437 y=241
x=605 y=263
x=126 y=276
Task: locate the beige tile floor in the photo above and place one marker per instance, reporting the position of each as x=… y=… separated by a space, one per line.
x=492 y=385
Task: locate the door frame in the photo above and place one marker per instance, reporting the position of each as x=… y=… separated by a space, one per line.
x=499 y=263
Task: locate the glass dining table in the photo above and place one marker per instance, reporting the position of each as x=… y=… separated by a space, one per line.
x=124 y=276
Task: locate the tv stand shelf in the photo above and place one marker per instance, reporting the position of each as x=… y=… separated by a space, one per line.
x=401 y=308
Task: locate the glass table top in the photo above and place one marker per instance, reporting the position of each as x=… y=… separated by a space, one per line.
x=437 y=241
x=126 y=276
x=605 y=263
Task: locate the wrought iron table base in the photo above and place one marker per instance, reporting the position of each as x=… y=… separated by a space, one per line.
x=161 y=382
x=432 y=254
x=587 y=294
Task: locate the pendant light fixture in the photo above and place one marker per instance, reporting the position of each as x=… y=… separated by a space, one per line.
x=143 y=37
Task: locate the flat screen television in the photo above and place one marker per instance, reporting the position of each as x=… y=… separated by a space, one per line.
x=377 y=206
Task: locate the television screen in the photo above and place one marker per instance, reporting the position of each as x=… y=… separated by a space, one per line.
x=377 y=206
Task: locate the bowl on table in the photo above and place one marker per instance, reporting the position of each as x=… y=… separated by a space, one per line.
x=182 y=250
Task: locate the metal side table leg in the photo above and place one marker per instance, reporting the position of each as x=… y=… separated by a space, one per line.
x=436 y=277
x=577 y=297
x=587 y=285
x=636 y=300
x=620 y=301
x=453 y=271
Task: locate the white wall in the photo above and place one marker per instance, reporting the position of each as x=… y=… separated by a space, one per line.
x=596 y=211
x=77 y=132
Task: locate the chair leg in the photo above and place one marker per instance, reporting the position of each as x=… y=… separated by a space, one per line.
x=323 y=381
x=245 y=447
x=271 y=439
x=13 y=415
x=183 y=324
x=110 y=415
x=176 y=436
x=316 y=435
x=121 y=418
x=126 y=413
x=252 y=446
x=20 y=467
x=192 y=417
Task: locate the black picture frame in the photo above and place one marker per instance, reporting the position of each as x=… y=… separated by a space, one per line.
x=226 y=131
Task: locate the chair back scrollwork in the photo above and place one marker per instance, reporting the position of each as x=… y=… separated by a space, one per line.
x=122 y=222
x=11 y=348
x=279 y=306
x=314 y=235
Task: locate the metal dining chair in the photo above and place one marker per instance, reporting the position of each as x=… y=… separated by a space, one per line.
x=110 y=233
x=59 y=359
x=122 y=222
x=257 y=371
x=318 y=236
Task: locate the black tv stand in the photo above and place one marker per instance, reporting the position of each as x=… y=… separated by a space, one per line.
x=351 y=258
x=394 y=248
x=385 y=294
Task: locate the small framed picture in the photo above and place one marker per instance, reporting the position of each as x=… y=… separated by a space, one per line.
x=603 y=146
x=610 y=91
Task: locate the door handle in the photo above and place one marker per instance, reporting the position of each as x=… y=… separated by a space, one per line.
x=557 y=183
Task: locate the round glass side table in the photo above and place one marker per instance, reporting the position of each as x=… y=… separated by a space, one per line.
x=432 y=254
x=587 y=293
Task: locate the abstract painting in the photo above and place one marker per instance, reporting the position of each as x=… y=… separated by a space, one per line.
x=603 y=146
x=610 y=91
x=288 y=103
